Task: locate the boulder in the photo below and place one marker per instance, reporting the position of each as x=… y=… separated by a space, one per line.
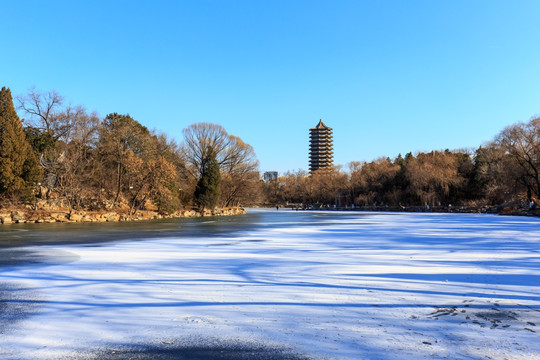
x=42 y=204
x=111 y=216
x=17 y=216
x=59 y=216
x=32 y=219
x=75 y=217
x=191 y=213
x=207 y=212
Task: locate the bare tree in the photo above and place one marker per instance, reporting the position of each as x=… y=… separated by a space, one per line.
x=237 y=161
x=149 y=178
x=48 y=113
x=495 y=172
x=522 y=143
x=372 y=182
x=73 y=169
x=200 y=140
x=120 y=135
x=240 y=178
x=432 y=176
x=328 y=184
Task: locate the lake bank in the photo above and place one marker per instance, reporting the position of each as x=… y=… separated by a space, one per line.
x=27 y=215
x=504 y=209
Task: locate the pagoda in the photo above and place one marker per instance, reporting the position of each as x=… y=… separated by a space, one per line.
x=321 y=153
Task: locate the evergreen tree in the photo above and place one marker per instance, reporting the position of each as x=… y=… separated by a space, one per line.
x=32 y=170
x=40 y=141
x=207 y=190
x=13 y=147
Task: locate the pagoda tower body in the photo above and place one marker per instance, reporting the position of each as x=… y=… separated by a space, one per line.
x=321 y=154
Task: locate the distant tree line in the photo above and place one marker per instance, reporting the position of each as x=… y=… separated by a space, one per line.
x=91 y=162
x=111 y=162
x=504 y=170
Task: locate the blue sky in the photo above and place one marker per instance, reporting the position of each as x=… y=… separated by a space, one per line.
x=388 y=76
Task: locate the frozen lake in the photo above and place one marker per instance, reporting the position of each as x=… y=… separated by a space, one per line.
x=274 y=285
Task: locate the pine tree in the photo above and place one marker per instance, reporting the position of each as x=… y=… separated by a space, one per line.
x=32 y=170
x=207 y=190
x=13 y=146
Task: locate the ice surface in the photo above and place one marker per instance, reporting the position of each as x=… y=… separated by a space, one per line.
x=334 y=285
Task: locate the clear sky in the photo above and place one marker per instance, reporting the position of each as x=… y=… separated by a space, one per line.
x=388 y=76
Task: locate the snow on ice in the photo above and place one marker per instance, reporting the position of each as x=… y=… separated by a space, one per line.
x=298 y=285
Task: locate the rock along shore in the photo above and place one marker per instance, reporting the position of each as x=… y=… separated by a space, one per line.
x=504 y=209
x=26 y=215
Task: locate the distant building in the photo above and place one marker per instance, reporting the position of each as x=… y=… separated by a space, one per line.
x=270 y=176
x=321 y=154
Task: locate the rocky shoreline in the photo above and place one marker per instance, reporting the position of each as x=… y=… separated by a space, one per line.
x=505 y=209
x=26 y=215
x=515 y=210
